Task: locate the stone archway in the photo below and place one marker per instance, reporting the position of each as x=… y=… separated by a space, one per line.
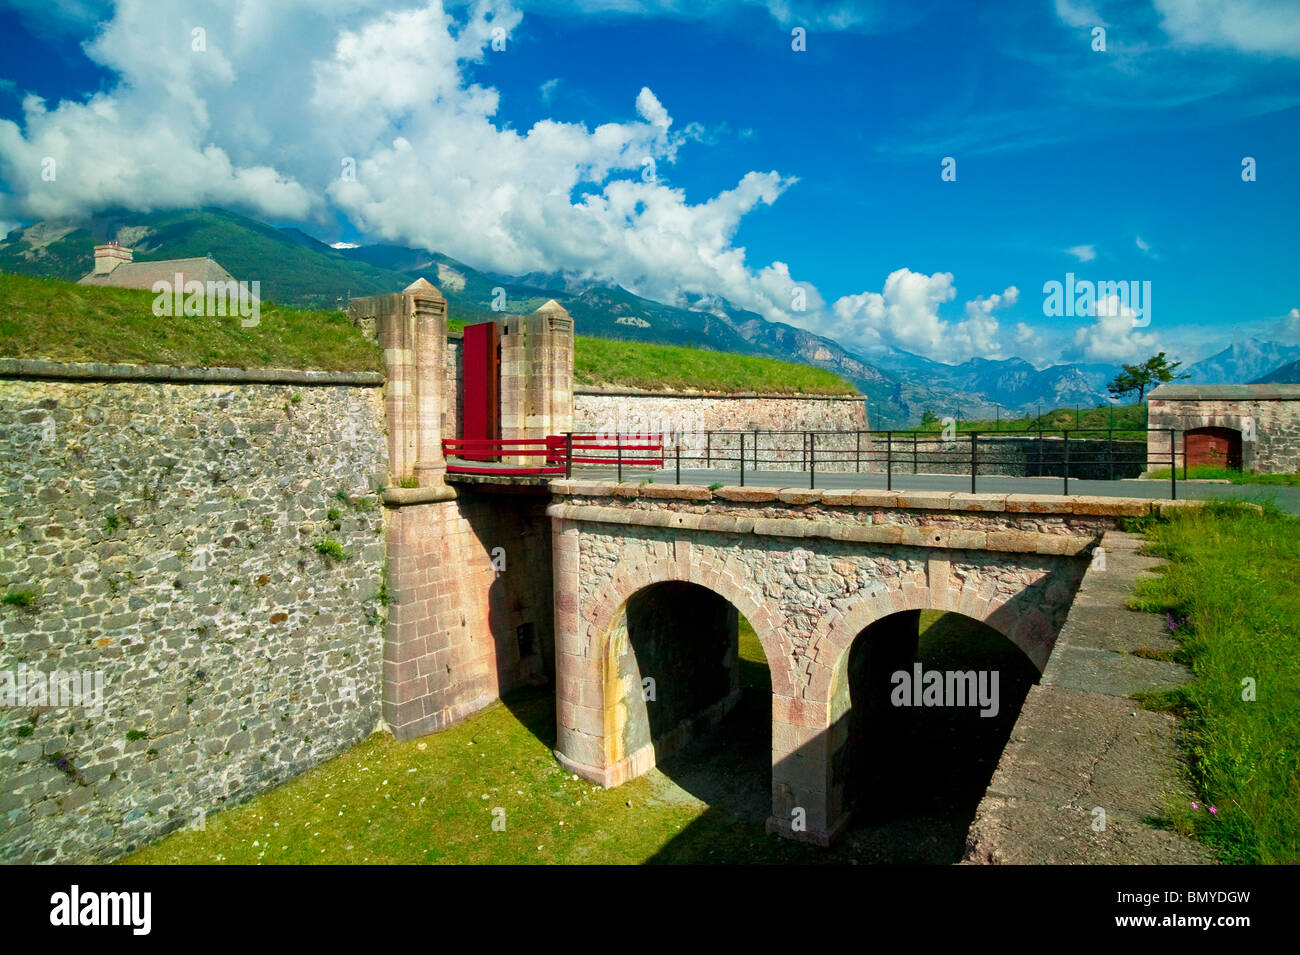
x=589 y=700
x=809 y=731
x=1213 y=447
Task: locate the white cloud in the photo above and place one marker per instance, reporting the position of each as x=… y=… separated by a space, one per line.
x=547 y=90
x=905 y=314
x=1112 y=337
x=1267 y=27
x=387 y=91
x=1144 y=246
x=1084 y=253
x=1078 y=15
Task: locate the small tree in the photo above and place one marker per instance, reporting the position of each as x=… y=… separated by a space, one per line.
x=1156 y=370
x=928 y=417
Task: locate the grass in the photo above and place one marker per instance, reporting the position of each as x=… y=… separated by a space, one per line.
x=1123 y=419
x=63 y=321
x=434 y=800
x=330 y=548
x=603 y=361
x=1234 y=574
x=1208 y=472
x=25 y=597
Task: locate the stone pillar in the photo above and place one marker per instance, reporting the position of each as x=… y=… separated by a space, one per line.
x=429 y=316
x=550 y=361
x=536 y=375
x=817 y=746
x=802 y=805
x=411 y=328
x=579 y=691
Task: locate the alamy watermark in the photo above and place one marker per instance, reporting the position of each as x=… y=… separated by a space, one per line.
x=1087 y=299
x=28 y=686
x=946 y=688
x=210 y=299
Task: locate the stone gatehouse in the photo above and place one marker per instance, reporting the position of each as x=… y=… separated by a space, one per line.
x=1244 y=427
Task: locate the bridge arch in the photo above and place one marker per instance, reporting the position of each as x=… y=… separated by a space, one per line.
x=1028 y=628
x=591 y=710
x=635 y=574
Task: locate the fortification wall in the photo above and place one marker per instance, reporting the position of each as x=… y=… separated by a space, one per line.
x=213 y=550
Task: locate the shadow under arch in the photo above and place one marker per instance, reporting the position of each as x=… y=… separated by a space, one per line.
x=926 y=702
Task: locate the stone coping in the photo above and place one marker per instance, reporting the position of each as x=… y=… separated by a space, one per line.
x=947 y=538
x=1079 y=504
x=643 y=393
x=99 y=371
x=400 y=496
x=1269 y=392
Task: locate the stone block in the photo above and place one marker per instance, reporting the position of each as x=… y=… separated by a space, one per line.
x=747 y=495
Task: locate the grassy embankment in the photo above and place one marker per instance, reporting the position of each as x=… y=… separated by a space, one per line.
x=1122 y=418
x=63 y=321
x=1231 y=591
x=1207 y=472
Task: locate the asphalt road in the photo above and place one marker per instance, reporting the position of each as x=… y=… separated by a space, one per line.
x=1286 y=498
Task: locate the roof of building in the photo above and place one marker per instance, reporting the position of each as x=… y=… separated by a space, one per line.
x=1226 y=392
x=145 y=274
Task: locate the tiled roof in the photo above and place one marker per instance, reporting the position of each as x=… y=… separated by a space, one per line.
x=145 y=274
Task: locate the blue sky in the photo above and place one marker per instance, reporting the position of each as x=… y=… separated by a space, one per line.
x=773 y=168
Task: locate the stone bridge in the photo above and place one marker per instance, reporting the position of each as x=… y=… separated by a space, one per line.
x=648 y=580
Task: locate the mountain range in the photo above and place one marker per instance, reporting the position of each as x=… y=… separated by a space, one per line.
x=295 y=268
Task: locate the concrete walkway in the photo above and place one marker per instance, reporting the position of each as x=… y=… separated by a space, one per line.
x=1286 y=498
x=1081 y=746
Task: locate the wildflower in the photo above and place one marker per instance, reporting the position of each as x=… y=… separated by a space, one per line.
x=1195 y=806
x=1214 y=811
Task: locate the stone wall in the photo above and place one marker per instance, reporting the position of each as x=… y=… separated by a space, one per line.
x=684 y=418
x=1270 y=426
x=169 y=534
x=471 y=617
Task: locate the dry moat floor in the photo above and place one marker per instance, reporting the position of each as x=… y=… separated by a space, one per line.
x=436 y=799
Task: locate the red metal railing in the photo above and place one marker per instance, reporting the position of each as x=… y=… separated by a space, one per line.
x=559 y=451
x=638 y=450
x=492 y=451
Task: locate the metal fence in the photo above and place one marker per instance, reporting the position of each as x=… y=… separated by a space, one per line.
x=1079 y=454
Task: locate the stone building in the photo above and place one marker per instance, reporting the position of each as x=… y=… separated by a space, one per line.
x=116 y=267
x=1244 y=427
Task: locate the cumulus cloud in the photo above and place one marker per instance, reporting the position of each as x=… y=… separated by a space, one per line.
x=1084 y=253
x=905 y=314
x=391 y=129
x=1112 y=337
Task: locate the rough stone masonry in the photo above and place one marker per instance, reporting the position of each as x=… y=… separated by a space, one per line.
x=215 y=551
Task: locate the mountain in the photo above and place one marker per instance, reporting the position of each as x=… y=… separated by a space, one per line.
x=1241 y=362
x=292 y=267
x=295 y=268
x=979 y=386
x=1286 y=375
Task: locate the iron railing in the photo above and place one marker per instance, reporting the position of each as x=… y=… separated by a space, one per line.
x=1068 y=454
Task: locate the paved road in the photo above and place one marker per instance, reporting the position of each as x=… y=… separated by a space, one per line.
x=1286 y=498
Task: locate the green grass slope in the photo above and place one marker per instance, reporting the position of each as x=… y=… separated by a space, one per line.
x=1231 y=593
x=62 y=321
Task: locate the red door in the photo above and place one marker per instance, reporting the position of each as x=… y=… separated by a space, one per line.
x=481 y=408
x=1213 y=447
